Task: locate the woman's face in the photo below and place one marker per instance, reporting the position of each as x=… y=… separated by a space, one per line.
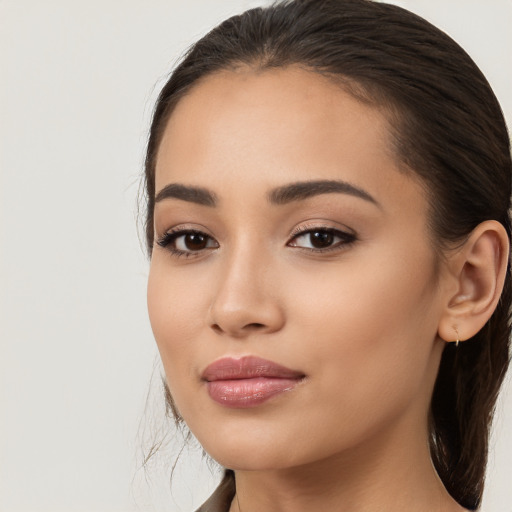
x=285 y=231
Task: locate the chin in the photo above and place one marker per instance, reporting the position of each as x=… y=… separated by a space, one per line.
x=251 y=460
x=251 y=452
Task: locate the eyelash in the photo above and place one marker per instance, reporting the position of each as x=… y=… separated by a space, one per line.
x=346 y=238
x=170 y=237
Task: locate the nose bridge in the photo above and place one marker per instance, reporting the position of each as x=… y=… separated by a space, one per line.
x=246 y=298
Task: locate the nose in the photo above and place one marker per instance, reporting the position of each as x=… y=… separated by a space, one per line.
x=246 y=299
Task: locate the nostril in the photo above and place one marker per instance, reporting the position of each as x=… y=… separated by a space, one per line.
x=216 y=328
x=254 y=326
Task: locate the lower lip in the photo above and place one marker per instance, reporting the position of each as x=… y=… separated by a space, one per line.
x=244 y=393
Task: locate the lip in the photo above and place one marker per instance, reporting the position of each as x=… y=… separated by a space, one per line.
x=248 y=381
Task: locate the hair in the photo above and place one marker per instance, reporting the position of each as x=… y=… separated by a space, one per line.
x=447 y=129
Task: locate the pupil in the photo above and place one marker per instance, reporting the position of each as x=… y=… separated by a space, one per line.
x=320 y=239
x=195 y=241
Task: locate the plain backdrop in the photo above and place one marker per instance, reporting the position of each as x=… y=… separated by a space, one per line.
x=77 y=85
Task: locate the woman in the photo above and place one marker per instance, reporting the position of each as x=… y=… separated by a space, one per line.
x=328 y=185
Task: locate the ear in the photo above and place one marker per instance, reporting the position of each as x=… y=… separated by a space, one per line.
x=477 y=272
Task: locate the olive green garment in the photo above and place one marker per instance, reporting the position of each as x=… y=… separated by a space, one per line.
x=221 y=499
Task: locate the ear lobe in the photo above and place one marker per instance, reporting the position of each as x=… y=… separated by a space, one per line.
x=480 y=268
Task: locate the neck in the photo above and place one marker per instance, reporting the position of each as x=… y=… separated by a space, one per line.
x=391 y=472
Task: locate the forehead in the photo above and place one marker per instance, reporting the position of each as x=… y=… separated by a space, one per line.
x=244 y=132
x=284 y=113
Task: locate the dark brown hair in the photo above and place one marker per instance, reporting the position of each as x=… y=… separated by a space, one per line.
x=447 y=128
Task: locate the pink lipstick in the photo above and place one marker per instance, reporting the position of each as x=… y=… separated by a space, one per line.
x=247 y=382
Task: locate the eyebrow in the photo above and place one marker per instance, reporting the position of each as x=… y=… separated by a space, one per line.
x=305 y=189
x=279 y=196
x=197 y=195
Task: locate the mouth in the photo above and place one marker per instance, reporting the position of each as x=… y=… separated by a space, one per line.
x=248 y=382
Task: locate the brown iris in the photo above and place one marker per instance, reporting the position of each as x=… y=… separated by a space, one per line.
x=195 y=241
x=321 y=239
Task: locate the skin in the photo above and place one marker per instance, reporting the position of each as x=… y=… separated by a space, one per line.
x=360 y=321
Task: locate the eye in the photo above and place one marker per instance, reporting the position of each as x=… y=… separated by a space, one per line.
x=322 y=239
x=186 y=243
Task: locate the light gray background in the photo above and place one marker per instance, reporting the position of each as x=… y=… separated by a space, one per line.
x=77 y=85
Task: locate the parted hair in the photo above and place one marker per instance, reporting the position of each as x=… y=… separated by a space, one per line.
x=447 y=129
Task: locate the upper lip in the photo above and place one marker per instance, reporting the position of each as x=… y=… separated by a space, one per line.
x=248 y=367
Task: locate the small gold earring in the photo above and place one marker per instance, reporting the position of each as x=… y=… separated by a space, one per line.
x=457 y=340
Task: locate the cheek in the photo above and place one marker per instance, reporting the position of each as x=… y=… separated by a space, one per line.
x=177 y=311
x=369 y=324
x=176 y=319
x=365 y=294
